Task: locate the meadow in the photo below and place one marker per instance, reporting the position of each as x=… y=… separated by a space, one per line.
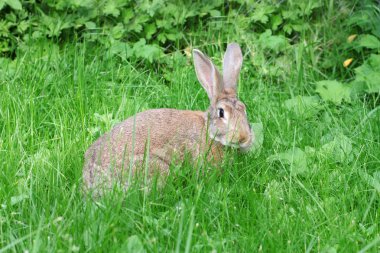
x=311 y=183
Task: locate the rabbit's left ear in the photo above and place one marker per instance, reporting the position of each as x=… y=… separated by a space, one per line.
x=208 y=75
x=232 y=62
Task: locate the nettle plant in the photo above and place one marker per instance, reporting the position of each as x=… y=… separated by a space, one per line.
x=272 y=32
x=146 y=29
x=129 y=28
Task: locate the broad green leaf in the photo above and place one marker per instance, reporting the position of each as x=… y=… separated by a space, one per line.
x=17 y=199
x=14 y=4
x=151 y=7
x=84 y=3
x=276 y=20
x=161 y=37
x=329 y=249
x=149 y=52
x=149 y=30
x=372 y=181
x=171 y=36
x=334 y=91
x=290 y=14
x=111 y=8
x=121 y=49
x=7 y=68
x=288 y=28
x=368 y=75
x=36 y=35
x=134 y=244
x=2 y=4
x=90 y=25
x=276 y=43
x=117 y=31
x=369 y=41
x=136 y=27
x=137 y=24
x=11 y=19
x=127 y=15
x=139 y=45
x=22 y=26
x=337 y=146
x=358 y=88
x=215 y=13
x=260 y=13
x=304 y=106
x=142 y=19
x=164 y=23
x=307 y=7
x=295 y=158
x=258 y=131
x=299 y=26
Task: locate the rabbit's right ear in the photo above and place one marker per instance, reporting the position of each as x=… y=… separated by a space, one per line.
x=207 y=74
x=232 y=62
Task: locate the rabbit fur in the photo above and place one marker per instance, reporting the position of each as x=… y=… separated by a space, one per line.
x=163 y=134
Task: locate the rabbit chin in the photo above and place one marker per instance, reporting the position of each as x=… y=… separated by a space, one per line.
x=226 y=143
x=244 y=147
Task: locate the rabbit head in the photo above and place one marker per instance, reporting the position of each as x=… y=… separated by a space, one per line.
x=227 y=117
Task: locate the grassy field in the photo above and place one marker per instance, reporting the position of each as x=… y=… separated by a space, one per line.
x=312 y=186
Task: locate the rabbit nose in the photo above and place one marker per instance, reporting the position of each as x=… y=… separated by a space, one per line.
x=243 y=137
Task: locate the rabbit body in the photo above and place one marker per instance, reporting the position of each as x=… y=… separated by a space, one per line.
x=170 y=133
x=160 y=136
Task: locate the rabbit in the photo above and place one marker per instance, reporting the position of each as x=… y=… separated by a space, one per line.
x=163 y=134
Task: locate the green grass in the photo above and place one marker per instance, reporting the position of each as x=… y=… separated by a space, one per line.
x=55 y=102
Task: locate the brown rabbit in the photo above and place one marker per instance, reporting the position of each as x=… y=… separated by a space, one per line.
x=164 y=133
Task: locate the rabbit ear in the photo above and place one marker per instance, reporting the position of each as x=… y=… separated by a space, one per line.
x=207 y=74
x=232 y=62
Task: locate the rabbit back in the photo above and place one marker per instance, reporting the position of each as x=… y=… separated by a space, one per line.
x=119 y=153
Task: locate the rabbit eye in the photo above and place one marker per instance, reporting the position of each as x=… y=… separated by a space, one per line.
x=220 y=113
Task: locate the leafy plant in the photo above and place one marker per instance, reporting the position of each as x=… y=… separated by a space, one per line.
x=368 y=75
x=295 y=158
x=304 y=106
x=333 y=91
x=145 y=29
